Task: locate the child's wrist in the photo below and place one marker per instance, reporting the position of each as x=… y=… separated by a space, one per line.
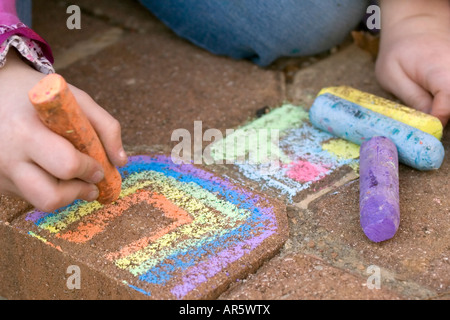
x=29 y=50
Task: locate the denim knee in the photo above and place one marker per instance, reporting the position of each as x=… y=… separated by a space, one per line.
x=24 y=8
x=261 y=31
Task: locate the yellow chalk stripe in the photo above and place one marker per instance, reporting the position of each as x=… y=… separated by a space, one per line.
x=166 y=185
x=63 y=219
x=396 y=111
x=31 y=233
x=342 y=149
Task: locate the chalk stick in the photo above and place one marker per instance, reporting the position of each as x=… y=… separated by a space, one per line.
x=354 y=123
x=379 y=189
x=59 y=111
x=396 y=111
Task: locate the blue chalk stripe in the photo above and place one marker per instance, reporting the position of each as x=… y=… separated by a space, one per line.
x=352 y=122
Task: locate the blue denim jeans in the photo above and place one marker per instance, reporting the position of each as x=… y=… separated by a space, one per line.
x=261 y=30
x=24 y=8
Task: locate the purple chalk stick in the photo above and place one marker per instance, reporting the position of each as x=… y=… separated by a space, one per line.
x=379 y=189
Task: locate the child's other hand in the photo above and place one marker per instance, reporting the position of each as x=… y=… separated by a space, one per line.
x=414 y=57
x=37 y=164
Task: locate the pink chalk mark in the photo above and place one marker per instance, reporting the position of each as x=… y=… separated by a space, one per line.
x=304 y=171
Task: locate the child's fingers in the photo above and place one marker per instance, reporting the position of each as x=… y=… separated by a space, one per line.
x=107 y=127
x=407 y=90
x=441 y=107
x=59 y=158
x=437 y=82
x=47 y=193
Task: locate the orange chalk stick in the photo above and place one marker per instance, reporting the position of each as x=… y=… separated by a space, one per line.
x=60 y=112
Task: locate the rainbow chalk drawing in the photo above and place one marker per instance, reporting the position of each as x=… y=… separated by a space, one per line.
x=214 y=224
x=306 y=154
x=248 y=137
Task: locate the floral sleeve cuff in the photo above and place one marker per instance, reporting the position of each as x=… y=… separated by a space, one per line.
x=30 y=49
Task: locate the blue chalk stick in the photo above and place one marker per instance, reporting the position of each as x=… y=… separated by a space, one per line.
x=354 y=123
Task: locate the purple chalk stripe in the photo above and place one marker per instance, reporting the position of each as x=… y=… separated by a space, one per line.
x=35 y=216
x=207 y=269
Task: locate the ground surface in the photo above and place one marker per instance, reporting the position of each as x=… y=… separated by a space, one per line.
x=154 y=82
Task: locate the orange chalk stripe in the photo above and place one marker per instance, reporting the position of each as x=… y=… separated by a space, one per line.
x=60 y=112
x=99 y=221
x=171 y=211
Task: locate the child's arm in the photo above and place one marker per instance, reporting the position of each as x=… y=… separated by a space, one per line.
x=414 y=58
x=13 y=33
x=37 y=164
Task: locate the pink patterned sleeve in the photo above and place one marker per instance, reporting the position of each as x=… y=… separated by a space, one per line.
x=13 y=33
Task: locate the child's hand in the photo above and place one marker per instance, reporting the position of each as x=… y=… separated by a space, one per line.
x=414 y=58
x=37 y=164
